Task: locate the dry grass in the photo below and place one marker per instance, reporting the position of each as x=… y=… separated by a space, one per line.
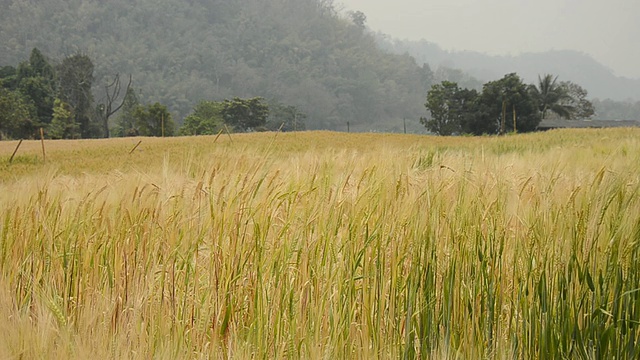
x=319 y=244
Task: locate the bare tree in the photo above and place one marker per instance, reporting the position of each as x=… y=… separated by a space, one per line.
x=109 y=108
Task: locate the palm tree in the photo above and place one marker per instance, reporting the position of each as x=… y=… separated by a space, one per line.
x=551 y=96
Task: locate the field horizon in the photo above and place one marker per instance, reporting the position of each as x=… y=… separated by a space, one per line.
x=322 y=244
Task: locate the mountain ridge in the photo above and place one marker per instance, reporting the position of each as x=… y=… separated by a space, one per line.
x=569 y=65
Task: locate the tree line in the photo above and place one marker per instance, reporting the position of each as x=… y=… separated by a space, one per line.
x=58 y=98
x=504 y=105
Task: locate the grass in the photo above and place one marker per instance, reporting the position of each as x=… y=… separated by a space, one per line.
x=320 y=244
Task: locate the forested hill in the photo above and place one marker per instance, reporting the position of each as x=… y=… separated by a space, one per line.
x=297 y=52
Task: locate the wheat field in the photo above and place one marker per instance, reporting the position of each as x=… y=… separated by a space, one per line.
x=322 y=245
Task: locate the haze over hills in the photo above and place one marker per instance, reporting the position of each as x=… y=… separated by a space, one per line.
x=606 y=30
x=304 y=53
x=569 y=65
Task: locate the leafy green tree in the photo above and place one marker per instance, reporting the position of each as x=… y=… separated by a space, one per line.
x=41 y=94
x=497 y=104
x=63 y=125
x=75 y=77
x=154 y=120
x=35 y=79
x=41 y=65
x=38 y=66
x=577 y=100
x=206 y=119
x=450 y=108
x=245 y=114
x=7 y=71
x=126 y=121
x=15 y=115
x=8 y=77
x=285 y=118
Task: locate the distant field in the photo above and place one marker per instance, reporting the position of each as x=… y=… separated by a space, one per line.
x=322 y=245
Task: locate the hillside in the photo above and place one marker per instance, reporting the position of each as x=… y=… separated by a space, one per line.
x=301 y=53
x=573 y=66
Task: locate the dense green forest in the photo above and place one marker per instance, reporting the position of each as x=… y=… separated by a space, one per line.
x=301 y=53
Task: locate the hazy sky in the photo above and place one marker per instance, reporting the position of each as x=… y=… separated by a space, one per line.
x=608 y=30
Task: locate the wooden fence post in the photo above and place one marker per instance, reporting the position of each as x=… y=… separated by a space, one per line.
x=44 y=155
x=15 y=151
